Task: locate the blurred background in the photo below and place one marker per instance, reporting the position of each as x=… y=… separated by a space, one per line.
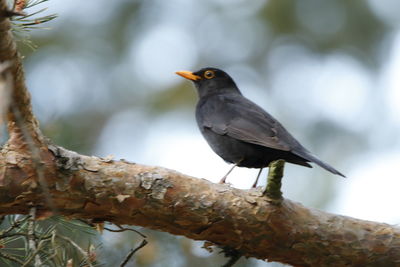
x=102 y=82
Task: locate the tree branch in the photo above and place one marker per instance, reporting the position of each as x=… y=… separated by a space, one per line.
x=23 y=127
x=165 y=200
x=32 y=242
x=20 y=97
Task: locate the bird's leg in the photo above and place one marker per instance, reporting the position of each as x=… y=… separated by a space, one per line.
x=258 y=176
x=222 y=181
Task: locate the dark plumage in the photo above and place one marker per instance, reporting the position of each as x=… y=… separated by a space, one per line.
x=240 y=131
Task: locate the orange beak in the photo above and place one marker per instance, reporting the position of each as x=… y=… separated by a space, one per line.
x=188 y=75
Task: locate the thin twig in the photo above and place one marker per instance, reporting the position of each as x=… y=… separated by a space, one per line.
x=133 y=251
x=31 y=229
x=14 y=225
x=123 y=229
x=32 y=242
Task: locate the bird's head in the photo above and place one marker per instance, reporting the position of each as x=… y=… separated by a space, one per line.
x=210 y=81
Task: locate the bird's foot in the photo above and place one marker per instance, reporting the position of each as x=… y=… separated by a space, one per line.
x=223 y=180
x=256 y=181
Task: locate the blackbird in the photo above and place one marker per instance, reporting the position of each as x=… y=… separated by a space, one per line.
x=240 y=131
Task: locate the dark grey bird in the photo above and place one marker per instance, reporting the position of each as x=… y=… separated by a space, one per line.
x=240 y=131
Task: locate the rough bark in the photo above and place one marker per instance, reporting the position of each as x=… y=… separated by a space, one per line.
x=165 y=200
x=54 y=180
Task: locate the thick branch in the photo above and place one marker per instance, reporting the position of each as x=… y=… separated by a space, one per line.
x=157 y=198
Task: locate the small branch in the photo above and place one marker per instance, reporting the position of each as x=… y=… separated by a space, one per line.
x=132 y=252
x=14 y=225
x=274 y=182
x=120 y=230
x=123 y=229
x=31 y=228
x=32 y=243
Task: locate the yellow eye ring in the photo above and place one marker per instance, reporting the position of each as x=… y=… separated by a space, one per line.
x=209 y=74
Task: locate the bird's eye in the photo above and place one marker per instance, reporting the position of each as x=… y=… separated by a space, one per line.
x=209 y=74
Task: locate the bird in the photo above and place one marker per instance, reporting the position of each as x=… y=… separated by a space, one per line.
x=238 y=130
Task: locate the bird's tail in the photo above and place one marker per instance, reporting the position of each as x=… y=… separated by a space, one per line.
x=311 y=158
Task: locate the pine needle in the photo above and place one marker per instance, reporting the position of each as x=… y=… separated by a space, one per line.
x=22 y=25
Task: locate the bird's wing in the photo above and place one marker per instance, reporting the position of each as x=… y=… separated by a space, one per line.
x=242 y=119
